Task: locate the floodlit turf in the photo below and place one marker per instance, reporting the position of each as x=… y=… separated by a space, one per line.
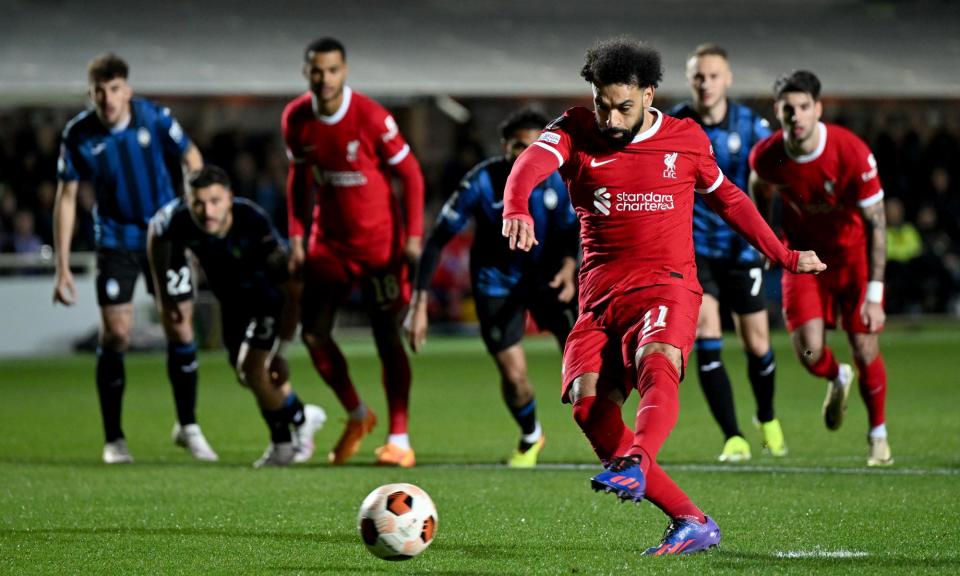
x=817 y=510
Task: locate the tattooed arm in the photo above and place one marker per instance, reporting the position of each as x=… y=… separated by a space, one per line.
x=874 y=216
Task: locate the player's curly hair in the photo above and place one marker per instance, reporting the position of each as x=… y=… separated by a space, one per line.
x=797 y=81
x=522 y=119
x=106 y=67
x=622 y=60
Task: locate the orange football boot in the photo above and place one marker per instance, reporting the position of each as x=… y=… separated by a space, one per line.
x=349 y=441
x=393 y=455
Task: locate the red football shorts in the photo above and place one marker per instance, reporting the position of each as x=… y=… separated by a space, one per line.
x=606 y=338
x=328 y=273
x=807 y=297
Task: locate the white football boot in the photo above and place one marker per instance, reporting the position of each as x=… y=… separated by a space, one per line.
x=313 y=419
x=280 y=454
x=191 y=438
x=116 y=452
x=835 y=403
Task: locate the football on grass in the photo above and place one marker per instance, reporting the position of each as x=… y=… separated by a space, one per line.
x=397 y=521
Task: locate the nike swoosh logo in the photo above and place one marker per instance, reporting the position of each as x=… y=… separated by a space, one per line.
x=641 y=411
x=595 y=164
x=497 y=205
x=648 y=334
x=98 y=148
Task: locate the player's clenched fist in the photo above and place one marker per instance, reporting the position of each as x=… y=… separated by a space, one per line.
x=809 y=263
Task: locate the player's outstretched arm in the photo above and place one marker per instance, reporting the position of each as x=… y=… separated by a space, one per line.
x=871 y=312
x=64 y=216
x=531 y=167
x=738 y=211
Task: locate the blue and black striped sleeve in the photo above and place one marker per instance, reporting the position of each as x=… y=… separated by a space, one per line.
x=565 y=218
x=453 y=218
x=174 y=139
x=68 y=167
x=161 y=223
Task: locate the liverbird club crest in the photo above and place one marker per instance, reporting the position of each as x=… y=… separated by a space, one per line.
x=670 y=165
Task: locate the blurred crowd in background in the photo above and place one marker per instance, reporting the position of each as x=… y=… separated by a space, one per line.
x=916 y=143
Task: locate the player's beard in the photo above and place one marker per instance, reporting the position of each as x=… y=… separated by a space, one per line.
x=620 y=137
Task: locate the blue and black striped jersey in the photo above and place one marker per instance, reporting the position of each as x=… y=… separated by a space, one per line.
x=732 y=141
x=126 y=168
x=494 y=268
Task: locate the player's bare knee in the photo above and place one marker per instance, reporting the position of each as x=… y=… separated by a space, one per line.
x=116 y=339
x=583 y=386
x=809 y=354
x=756 y=346
x=708 y=329
x=671 y=352
x=180 y=332
x=865 y=348
x=251 y=371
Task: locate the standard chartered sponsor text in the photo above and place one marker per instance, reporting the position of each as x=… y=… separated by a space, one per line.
x=643 y=202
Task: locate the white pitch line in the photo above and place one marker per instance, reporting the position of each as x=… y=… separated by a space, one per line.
x=725 y=469
x=821 y=554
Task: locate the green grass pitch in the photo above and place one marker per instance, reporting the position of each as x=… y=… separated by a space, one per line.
x=818 y=510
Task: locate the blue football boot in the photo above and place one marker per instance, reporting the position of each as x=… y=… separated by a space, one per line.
x=687 y=536
x=622 y=477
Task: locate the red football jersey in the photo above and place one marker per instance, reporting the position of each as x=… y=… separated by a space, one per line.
x=348 y=155
x=635 y=203
x=822 y=192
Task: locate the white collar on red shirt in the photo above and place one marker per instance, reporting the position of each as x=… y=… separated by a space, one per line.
x=804 y=158
x=341 y=111
x=649 y=132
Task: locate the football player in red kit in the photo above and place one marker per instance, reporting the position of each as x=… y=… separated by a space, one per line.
x=632 y=173
x=833 y=203
x=344 y=148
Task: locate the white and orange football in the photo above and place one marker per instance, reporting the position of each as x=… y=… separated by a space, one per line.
x=397 y=521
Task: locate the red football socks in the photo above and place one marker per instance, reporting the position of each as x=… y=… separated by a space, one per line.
x=396 y=382
x=826 y=366
x=663 y=492
x=332 y=366
x=873 y=389
x=601 y=422
x=659 y=407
